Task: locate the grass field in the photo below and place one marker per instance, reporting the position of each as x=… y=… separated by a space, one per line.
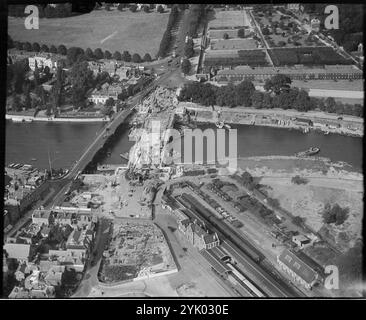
x=237 y=18
x=137 y=32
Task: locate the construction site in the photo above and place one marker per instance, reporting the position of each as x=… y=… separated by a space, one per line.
x=136 y=250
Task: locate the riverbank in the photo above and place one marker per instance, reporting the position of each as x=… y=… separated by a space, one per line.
x=278 y=118
x=27 y=118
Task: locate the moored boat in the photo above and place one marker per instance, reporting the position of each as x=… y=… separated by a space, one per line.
x=310 y=152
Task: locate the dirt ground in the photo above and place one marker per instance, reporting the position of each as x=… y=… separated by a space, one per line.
x=137 y=32
x=308 y=201
x=120 y=201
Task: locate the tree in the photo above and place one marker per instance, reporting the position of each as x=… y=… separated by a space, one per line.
x=89 y=54
x=265 y=31
x=302 y=102
x=126 y=56
x=146 y=9
x=186 y=66
x=36 y=47
x=243 y=93
x=47 y=72
x=241 y=33
x=107 y=55
x=136 y=58
x=98 y=53
x=16 y=106
x=53 y=49
x=27 y=46
x=225 y=96
x=257 y=99
x=44 y=48
x=277 y=83
x=334 y=214
x=107 y=7
x=147 y=57
x=18 y=45
x=330 y=105
x=107 y=108
x=73 y=54
x=299 y=180
x=62 y=50
x=27 y=100
x=81 y=78
x=226 y=36
x=188 y=48
x=298 y=221
x=160 y=9
x=121 y=6
x=133 y=8
x=117 y=55
x=110 y=102
x=10 y=42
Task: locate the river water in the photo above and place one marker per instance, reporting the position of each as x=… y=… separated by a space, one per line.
x=65 y=142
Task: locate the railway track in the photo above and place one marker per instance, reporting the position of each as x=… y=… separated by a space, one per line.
x=271 y=286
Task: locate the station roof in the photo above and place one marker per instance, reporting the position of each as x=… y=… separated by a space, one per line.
x=217 y=251
x=215 y=262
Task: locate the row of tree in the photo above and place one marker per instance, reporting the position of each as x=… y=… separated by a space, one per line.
x=75 y=53
x=278 y=94
x=167 y=39
x=197 y=13
x=60 y=10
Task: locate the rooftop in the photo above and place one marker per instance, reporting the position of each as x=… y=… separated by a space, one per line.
x=293 y=70
x=17 y=250
x=298 y=266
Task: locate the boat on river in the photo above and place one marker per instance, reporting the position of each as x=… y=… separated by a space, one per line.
x=310 y=152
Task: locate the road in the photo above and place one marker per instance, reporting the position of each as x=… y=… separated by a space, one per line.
x=100 y=139
x=261 y=35
x=90 y=278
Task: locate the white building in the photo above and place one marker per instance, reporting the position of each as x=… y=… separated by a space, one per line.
x=42 y=60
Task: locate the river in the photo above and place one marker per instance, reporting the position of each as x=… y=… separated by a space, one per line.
x=66 y=142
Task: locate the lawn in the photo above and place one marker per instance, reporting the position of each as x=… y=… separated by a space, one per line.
x=229 y=19
x=137 y=32
x=234 y=44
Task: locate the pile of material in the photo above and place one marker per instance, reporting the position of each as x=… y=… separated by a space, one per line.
x=159 y=100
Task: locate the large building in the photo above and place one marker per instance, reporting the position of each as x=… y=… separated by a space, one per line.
x=44 y=60
x=73 y=216
x=336 y=72
x=297 y=269
x=107 y=91
x=197 y=236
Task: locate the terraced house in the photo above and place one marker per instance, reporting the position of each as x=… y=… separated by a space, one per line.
x=334 y=72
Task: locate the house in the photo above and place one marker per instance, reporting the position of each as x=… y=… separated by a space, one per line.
x=197 y=236
x=300 y=240
x=18 y=251
x=54 y=275
x=328 y=72
x=104 y=93
x=41 y=217
x=43 y=60
x=297 y=269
